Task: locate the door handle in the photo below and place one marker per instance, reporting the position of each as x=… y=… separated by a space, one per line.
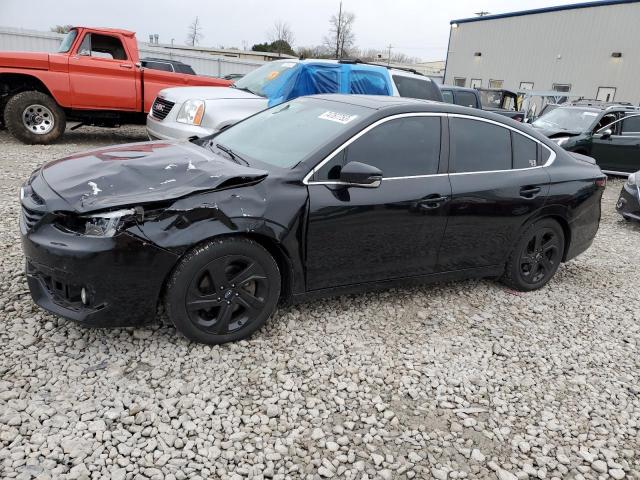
x=432 y=201
x=126 y=65
x=530 y=191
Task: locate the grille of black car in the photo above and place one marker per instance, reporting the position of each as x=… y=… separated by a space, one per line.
x=31 y=217
x=161 y=108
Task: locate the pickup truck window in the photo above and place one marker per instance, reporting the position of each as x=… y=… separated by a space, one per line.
x=67 y=41
x=102 y=46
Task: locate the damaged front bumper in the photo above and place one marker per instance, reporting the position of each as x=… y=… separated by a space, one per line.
x=628 y=204
x=122 y=276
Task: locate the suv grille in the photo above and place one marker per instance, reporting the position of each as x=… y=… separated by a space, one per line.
x=161 y=108
x=31 y=217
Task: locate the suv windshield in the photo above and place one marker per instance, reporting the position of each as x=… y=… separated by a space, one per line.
x=568 y=119
x=67 y=41
x=255 y=81
x=285 y=135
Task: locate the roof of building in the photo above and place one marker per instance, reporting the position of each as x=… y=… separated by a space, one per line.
x=573 y=6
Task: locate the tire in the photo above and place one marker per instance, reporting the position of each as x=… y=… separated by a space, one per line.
x=34 y=118
x=536 y=256
x=234 y=281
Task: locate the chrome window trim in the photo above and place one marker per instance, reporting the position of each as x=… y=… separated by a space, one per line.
x=548 y=163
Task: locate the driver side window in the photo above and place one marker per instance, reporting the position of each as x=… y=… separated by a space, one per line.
x=401 y=147
x=102 y=46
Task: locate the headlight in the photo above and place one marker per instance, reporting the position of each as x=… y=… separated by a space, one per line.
x=632 y=180
x=561 y=140
x=104 y=224
x=191 y=112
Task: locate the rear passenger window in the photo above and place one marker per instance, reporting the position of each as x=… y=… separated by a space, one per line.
x=416 y=88
x=447 y=95
x=525 y=151
x=401 y=147
x=466 y=99
x=478 y=146
x=631 y=125
x=165 y=67
x=545 y=153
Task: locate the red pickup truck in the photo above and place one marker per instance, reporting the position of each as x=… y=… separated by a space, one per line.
x=95 y=78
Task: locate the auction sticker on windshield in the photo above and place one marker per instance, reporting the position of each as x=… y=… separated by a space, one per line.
x=342 y=118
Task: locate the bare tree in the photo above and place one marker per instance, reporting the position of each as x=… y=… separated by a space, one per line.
x=61 y=28
x=341 y=36
x=195 y=33
x=281 y=36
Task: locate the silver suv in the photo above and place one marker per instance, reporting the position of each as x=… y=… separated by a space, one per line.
x=188 y=112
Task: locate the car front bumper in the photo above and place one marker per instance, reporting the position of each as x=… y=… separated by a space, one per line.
x=628 y=204
x=169 y=129
x=122 y=276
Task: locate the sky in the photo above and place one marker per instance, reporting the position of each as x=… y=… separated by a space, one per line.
x=418 y=28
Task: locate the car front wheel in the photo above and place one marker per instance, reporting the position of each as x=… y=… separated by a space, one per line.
x=536 y=256
x=223 y=291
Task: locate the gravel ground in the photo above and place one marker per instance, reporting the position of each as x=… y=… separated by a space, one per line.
x=459 y=380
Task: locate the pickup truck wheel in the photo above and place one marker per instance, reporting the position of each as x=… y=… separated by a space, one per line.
x=34 y=117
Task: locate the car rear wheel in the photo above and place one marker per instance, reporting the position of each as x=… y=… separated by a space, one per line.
x=536 y=256
x=223 y=291
x=34 y=118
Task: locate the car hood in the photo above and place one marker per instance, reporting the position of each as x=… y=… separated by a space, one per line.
x=140 y=173
x=182 y=94
x=551 y=132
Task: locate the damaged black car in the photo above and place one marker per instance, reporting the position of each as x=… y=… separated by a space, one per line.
x=321 y=195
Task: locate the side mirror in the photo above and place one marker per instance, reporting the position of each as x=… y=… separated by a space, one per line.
x=606 y=133
x=361 y=175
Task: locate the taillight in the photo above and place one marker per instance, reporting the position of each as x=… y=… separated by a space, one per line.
x=601 y=182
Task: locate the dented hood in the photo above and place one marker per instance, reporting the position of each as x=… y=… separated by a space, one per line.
x=139 y=173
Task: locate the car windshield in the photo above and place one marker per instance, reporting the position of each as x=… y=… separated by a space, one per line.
x=285 y=135
x=256 y=81
x=569 y=119
x=67 y=41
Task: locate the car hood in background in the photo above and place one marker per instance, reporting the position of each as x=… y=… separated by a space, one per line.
x=182 y=94
x=139 y=173
x=556 y=132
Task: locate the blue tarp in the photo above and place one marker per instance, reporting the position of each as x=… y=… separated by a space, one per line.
x=314 y=78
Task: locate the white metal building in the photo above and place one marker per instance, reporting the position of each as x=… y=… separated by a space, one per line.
x=590 y=49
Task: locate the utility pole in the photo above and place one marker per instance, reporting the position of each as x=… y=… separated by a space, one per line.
x=338 y=30
x=389 y=47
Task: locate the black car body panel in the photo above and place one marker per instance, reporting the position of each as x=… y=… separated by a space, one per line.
x=325 y=238
x=628 y=204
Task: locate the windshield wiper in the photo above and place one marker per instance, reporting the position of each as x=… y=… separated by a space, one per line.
x=234 y=156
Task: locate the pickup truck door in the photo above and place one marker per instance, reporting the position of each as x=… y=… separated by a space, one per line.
x=620 y=151
x=102 y=75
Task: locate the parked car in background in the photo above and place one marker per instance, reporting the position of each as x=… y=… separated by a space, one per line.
x=629 y=201
x=466 y=97
x=609 y=133
x=503 y=102
x=318 y=196
x=95 y=78
x=167 y=65
x=180 y=113
x=234 y=76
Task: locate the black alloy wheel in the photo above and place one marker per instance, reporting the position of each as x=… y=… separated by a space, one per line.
x=536 y=257
x=223 y=291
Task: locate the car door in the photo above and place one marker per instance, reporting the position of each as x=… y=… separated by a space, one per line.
x=620 y=151
x=358 y=235
x=497 y=183
x=102 y=75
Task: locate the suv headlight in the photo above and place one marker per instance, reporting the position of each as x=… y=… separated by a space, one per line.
x=191 y=112
x=632 y=180
x=561 y=140
x=104 y=224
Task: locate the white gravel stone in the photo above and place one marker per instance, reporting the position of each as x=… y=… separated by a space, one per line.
x=479 y=382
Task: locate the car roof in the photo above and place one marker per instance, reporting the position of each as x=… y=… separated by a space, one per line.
x=166 y=60
x=397 y=71
x=582 y=109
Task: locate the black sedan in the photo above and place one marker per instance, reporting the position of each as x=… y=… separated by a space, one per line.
x=317 y=196
x=629 y=201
